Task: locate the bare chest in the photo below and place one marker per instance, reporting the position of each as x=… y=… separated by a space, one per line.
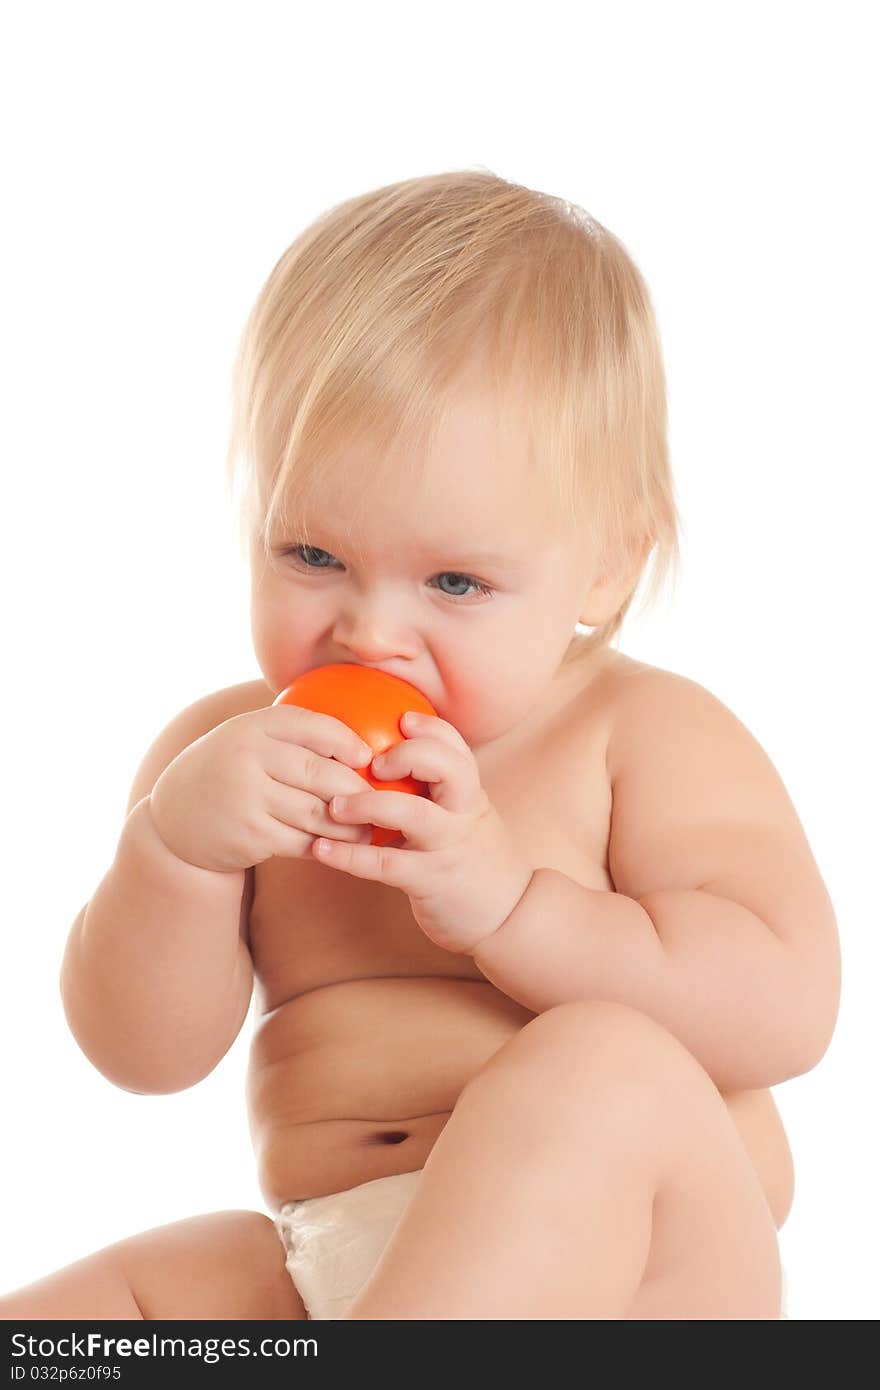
x=312 y=926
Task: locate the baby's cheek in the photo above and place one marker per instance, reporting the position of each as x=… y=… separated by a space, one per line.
x=281 y=647
x=492 y=708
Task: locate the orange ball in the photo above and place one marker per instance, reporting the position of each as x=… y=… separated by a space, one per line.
x=371 y=703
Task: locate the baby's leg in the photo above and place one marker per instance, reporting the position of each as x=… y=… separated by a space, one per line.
x=590 y=1171
x=228 y=1264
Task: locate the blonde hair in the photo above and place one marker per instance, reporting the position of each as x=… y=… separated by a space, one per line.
x=371 y=316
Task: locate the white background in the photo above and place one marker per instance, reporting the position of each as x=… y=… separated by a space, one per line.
x=158 y=160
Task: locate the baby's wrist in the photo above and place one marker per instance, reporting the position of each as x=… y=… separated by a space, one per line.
x=141 y=834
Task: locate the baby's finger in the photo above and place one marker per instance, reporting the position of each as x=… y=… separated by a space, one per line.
x=453 y=776
x=310 y=815
x=322 y=733
x=424 y=825
x=300 y=767
x=398 y=868
x=415 y=724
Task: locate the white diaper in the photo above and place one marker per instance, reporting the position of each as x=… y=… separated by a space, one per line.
x=333 y=1243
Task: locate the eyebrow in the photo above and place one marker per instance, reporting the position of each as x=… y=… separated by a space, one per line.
x=496 y=559
x=471 y=558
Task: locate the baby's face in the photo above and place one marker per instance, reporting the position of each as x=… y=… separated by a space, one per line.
x=459 y=584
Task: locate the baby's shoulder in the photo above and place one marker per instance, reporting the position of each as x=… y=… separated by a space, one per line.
x=205 y=713
x=191 y=723
x=667 y=729
x=217 y=706
x=239 y=699
x=630 y=679
x=629 y=686
x=650 y=706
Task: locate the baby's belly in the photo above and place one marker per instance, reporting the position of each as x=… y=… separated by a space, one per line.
x=309 y=1160
x=356 y=1080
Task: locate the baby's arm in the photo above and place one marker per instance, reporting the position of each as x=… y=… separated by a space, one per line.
x=157 y=977
x=720 y=927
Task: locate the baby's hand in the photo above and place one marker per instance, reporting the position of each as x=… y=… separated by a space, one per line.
x=257 y=786
x=460 y=867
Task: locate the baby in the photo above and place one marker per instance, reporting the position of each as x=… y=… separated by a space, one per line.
x=515 y=1064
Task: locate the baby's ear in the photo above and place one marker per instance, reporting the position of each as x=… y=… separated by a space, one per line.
x=613 y=586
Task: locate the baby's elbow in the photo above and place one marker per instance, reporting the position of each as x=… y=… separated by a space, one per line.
x=820 y=1036
x=815 y=1003
x=154 y=1085
x=144 y=1066
x=148 y=1076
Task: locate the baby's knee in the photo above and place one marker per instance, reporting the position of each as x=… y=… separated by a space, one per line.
x=227 y=1264
x=608 y=1068
x=94 y=1286
x=593 y=1036
x=256 y=1244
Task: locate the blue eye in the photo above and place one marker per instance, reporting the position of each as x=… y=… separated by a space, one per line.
x=297 y=552
x=464 y=579
x=314 y=551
